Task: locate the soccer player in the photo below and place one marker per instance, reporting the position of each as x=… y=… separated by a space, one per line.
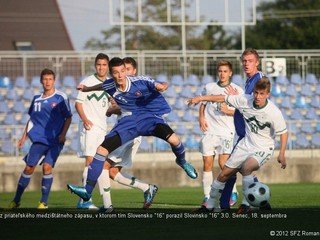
x=142 y=106
x=50 y=118
x=216 y=121
x=92 y=108
x=250 y=63
x=263 y=121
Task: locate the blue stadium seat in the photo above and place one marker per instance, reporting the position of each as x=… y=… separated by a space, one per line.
x=28 y=94
x=296 y=79
x=307 y=127
x=5 y=82
x=24 y=119
x=291 y=91
x=306 y=90
x=198 y=92
x=301 y=102
x=317 y=91
x=19 y=107
x=193 y=80
x=237 y=79
x=3 y=134
x=10 y=119
x=74 y=94
x=312 y=114
x=69 y=82
x=315 y=101
x=21 y=82
x=162 y=78
x=181 y=130
x=302 y=142
x=286 y=103
x=276 y=91
x=296 y=115
x=315 y=140
x=12 y=95
x=196 y=130
x=35 y=82
x=179 y=104
x=191 y=143
x=282 y=80
x=7 y=147
x=188 y=116
x=186 y=92
x=161 y=145
x=177 y=80
x=311 y=79
x=206 y=79
x=293 y=128
x=170 y=93
x=173 y=117
x=4 y=108
x=145 y=146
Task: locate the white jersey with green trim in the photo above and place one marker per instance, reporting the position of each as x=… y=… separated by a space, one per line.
x=262 y=124
x=95 y=103
x=218 y=122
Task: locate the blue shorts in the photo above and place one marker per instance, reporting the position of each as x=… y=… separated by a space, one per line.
x=38 y=150
x=130 y=127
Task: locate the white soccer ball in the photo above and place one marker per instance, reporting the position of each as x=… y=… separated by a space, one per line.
x=257 y=194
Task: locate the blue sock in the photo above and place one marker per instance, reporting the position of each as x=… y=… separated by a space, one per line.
x=22 y=185
x=94 y=171
x=46 y=187
x=227 y=191
x=180 y=153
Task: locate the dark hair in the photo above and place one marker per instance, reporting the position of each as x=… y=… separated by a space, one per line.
x=249 y=51
x=130 y=60
x=47 y=71
x=115 y=62
x=101 y=56
x=263 y=84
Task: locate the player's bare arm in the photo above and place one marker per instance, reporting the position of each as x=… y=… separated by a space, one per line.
x=212 y=98
x=114 y=109
x=161 y=87
x=226 y=109
x=87 y=124
x=202 y=120
x=24 y=136
x=283 y=144
x=85 y=88
x=66 y=125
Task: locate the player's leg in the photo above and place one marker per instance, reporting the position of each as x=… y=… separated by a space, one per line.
x=111 y=142
x=164 y=132
x=218 y=186
x=105 y=188
x=31 y=159
x=207 y=177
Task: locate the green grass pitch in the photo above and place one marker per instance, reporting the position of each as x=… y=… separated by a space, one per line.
x=295 y=214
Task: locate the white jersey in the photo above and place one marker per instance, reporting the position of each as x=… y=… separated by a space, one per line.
x=219 y=123
x=261 y=124
x=95 y=103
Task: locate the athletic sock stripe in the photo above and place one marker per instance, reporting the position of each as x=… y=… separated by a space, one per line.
x=99 y=157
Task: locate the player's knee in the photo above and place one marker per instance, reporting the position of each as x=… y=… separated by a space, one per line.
x=46 y=168
x=163 y=131
x=113 y=172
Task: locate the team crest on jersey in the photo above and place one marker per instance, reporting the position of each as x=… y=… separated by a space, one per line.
x=138 y=93
x=53 y=105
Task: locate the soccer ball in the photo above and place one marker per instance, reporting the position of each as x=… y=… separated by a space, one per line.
x=257 y=194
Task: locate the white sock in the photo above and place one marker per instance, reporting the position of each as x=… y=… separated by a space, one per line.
x=215 y=193
x=84 y=181
x=234 y=189
x=246 y=182
x=130 y=181
x=207 y=180
x=104 y=187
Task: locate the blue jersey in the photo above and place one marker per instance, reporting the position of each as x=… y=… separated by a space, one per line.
x=139 y=97
x=238 y=118
x=47 y=117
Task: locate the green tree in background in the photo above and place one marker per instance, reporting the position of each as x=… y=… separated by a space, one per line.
x=293 y=24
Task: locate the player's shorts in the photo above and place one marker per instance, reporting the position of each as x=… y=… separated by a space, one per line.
x=211 y=144
x=241 y=153
x=130 y=127
x=90 y=140
x=123 y=155
x=38 y=150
